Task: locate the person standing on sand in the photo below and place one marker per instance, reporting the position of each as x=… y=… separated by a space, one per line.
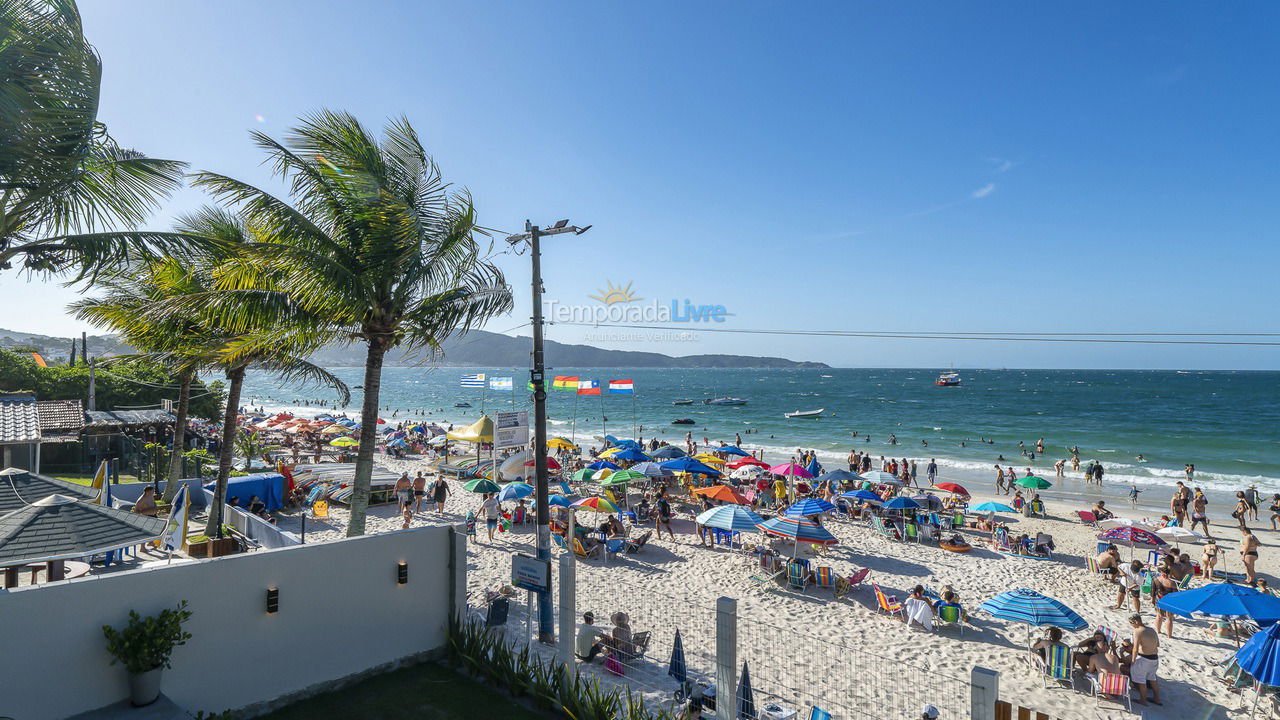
x=913 y=474
x=1275 y=510
x=1242 y=508
x=1163 y=584
x=419 y=491
x=1251 y=497
x=492 y=512
x=663 y=520
x=404 y=494
x=1209 y=558
x=1200 y=512
x=1146 y=660
x=1009 y=477
x=439 y=491
x=932 y=470
x=1178 y=507
x=1131 y=584
x=999 y=479
x=1249 y=554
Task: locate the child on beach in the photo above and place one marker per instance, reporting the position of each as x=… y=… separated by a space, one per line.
x=1133 y=495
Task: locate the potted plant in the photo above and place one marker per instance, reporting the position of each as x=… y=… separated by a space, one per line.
x=144 y=646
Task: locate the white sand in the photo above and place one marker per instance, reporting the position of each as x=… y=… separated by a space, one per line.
x=676 y=585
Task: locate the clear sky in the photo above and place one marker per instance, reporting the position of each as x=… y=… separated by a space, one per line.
x=939 y=166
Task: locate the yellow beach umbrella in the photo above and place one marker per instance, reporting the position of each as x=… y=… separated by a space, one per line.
x=610 y=452
x=708 y=458
x=561 y=443
x=344 y=442
x=335 y=429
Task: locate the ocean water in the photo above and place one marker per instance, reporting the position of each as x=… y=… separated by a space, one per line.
x=1226 y=423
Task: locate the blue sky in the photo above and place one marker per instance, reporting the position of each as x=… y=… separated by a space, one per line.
x=854 y=166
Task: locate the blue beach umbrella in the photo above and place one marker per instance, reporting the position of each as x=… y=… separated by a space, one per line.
x=746 y=698
x=987 y=507
x=843 y=477
x=1032 y=608
x=863 y=496
x=1260 y=657
x=734 y=518
x=809 y=506
x=628 y=445
x=676 y=668
x=876 y=477
x=929 y=502
x=814 y=467
x=631 y=455
x=730 y=450
x=797 y=530
x=689 y=465
x=1223 y=599
x=669 y=452
x=902 y=503
x=557 y=501
x=651 y=469
x=515 y=491
x=601 y=465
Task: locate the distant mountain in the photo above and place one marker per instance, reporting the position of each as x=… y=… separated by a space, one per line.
x=476 y=349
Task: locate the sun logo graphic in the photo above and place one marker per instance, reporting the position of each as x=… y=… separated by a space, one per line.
x=610 y=294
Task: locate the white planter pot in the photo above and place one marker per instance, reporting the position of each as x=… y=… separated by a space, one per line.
x=144 y=688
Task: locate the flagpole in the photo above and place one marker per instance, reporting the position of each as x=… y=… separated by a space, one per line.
x=603 y=419
x=573 y=437
x=635 y=422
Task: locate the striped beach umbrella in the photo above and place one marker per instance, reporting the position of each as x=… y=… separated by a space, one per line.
x=650 y=469
x=733 y=518
x=622 y=477
x=1133 y=536
x=1031 y=608
x=598 y=504
x=809 y=506
x=797 y=530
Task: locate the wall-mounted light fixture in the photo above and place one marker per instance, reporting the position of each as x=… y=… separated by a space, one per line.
x=402 y=573
x=273 y=599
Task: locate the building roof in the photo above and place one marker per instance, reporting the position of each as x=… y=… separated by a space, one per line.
x=18 y=491
x=60 y=416
x=118 y=418
x=59 y=527
x=18 y=420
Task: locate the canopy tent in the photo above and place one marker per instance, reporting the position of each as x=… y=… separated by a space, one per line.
x=477 y=432
x=63 y=527
x=269 y=487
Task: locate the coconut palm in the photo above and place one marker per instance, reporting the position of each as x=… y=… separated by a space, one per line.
x=375 y=245
x=62 y=177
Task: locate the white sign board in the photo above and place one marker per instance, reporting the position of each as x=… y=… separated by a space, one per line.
x=511 y=429
x=530 y=573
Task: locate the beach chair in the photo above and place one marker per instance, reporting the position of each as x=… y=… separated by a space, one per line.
x=844 y=585
x=1107 y=632
x=1057 y=668
x=635 y=545
x=559 y=541
x=1092 y=563
x=910 y=532
x=1043 y=540
x=768 y=573
x=888 y=604
x=1186 y=581
x=1113 y=686
x=957 y=521
x=928 y=533
x=496 y=615
x=824 y=578
x=950 y=615
x=582 y=552
x=882 y=529
x=1087 y=517
x=797 y=576
x=817 y=713
x=615 y=545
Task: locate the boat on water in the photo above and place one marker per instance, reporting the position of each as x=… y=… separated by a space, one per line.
x=724 y=401
x=804 y=413
x=682 y=402
x=948 y=379
x=682 y=421
x=462 y=405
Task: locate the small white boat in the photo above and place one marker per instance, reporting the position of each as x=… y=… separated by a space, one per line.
x=804 y=413
x=682 y=402
x=948 y=379
x=724 y=401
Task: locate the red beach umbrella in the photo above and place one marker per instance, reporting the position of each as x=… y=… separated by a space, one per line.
x=953 y=488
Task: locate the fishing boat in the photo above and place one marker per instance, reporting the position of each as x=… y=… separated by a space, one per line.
x=724 y=401
x=804 y=413
x=682 y=402
x=462 y=405
x=948 y=379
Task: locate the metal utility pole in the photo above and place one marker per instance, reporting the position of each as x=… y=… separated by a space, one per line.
x=93 y=391
x=532 y=233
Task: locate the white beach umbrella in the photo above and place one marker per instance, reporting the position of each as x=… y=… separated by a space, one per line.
x=1175 y=532
x=747 y=472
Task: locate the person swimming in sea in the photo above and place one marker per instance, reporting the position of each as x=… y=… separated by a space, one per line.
x=1141 y=458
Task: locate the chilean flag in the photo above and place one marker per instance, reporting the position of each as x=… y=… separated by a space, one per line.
x=621 y=387
x=588 y=387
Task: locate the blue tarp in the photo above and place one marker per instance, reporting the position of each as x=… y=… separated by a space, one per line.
x=269 y=487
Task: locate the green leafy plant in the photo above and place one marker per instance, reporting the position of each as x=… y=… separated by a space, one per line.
x=146 y=643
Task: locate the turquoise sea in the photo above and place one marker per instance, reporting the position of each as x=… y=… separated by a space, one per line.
x=1226 y=423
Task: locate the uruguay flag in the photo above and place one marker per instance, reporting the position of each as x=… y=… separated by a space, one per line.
x=588 y=387
x=621 y=387
x=473 y=381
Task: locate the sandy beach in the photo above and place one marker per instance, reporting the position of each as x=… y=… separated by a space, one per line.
x=675 y=585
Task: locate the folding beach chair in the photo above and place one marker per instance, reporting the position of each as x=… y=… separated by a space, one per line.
x=911 y=532
x=1186 y=581
x=497 y=613
x=888 y=604
x=957 y=521
x=797 y=576
x=559 y=541
x=635 y=545
x=950 y=615
x=582 y=552
x=1043 y=540
x=1092 y=563
x=928 y=534
x=842 y=585
x=1108 y=633
x=817 y=713
x=1058 y=667
x=615 y=545
x=824 y=578
x=1113 y=686
x=768 y=572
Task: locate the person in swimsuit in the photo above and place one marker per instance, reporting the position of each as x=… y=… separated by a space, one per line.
x=1275 y=510
x=1209 y=558
x=439 y=491
x=999 y=479
x=1092 y=645
x=1146 y=660
x=1242 y=509
x=1131 y=585
x=419 y=491
x=1200 y=511
x=403 y=491
x=1161 y=586
x=1249 y=554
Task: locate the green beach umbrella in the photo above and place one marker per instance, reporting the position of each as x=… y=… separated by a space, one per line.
x=622 y=477
x=1031 y=481
x=582 y=475
x=481 y=485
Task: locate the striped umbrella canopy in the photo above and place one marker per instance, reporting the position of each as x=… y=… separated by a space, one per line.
x=809 y=506
x=748 y=461
x=1034 y=482
x=798 y=530
x=790 y=469
x=582 y=475
x=622 y=477
x=650 y=469
x=1032 y=608
x=602 y=474
x=515 y=491
x=598 y=504
x=731 y=518
x=481 y=485
x=669 y=452
x=863 y=496
x=721 y=493
x=1133 y=536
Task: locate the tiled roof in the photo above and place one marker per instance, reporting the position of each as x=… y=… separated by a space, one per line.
x=58 y=527
x=18 y=420
x=60 y=415
x=111 y=418
x=18 y=491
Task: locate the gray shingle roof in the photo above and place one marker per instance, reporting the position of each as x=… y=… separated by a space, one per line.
x=18 y=420
x=59 y=527
x=18 y=491
x=114 y=418
x=60 y=415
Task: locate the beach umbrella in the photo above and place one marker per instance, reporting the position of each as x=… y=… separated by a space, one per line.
x=601 y=474
x=877 y=477
x=515 y=491
x=438 y=441
x=602 y=464
x=807 y=507
x=731 y=450
x=551 y=464
x=689 y=465
x=631 y=455
x=1032 y=608
x=797 y=530
x=708 y=458
x=398 y=442
x=902 y=503
x=746 y=699
x=669 y=452
x=1176 y=532
x=734 y=518
x=953 y=488
x=650 y=469
x=863 y=496
x=721 y=493
x=1260 y=656
x=929 y=502
x=747 y=472
x=481 y=485
x=558 y=501
x=561 y=444
x=1033 y=482
x=814 y=467
x=1224 y=599
x=1133 y=536
x=843 y=477
x=344 y=442
x=610 y=452
x=335 y=430
x=622 y=477
x=790 y=470
x=583 y=475
x=1119 y=522
x=748 y=461
x=988 y=507
x=598 y=504
x=677 y=668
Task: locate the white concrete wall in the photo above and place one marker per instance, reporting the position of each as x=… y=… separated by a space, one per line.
x=341 y=612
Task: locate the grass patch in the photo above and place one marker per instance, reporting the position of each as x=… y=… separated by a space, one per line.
x=428 y=691
x=87 y=479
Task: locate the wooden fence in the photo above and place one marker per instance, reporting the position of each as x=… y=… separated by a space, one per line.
x=1007 y=711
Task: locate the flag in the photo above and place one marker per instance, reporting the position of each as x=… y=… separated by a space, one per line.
x=565 y=383
x=473 y=381
x=621 y=387
x=588 y=387
x=503 y=383
x=530 y=386
x=102 y=484
x=175 y=536
x=39 y=360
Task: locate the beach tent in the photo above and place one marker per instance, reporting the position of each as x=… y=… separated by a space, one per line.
x=477 y=432
x=269 y=487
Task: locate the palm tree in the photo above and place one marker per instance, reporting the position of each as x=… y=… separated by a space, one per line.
x=375 y=245
x=61 y=175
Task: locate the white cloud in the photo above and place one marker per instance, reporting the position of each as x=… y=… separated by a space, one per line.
x=983 y=191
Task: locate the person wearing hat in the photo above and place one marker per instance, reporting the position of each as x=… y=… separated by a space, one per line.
x=620 y=638
x=1251 y=497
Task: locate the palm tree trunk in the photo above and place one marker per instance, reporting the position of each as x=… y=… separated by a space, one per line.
x=179 y=436
x=368 y=435
x=235 y=377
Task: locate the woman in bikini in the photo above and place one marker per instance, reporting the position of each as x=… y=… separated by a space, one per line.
x=1249 y=554
x=1209 y=558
